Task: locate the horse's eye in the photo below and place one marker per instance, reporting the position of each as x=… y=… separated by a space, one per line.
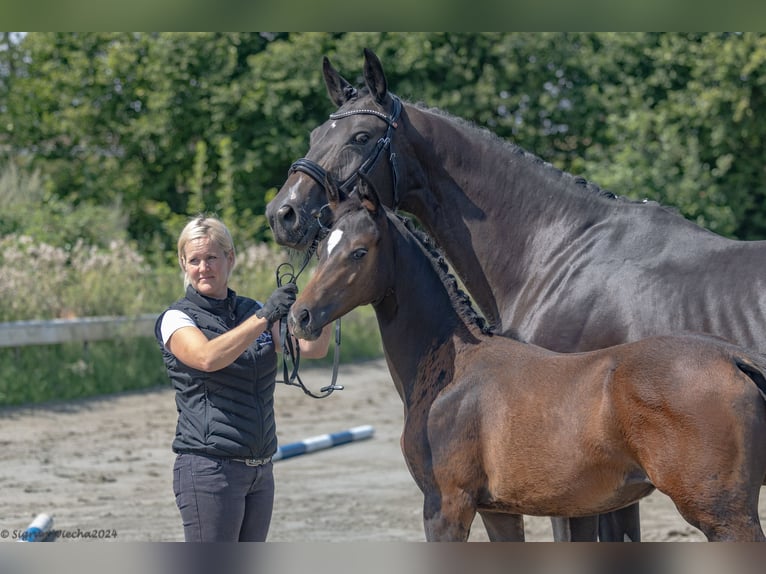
x=359 y=253
x=361 y=138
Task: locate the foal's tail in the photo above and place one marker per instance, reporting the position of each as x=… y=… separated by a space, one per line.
x=755 y=370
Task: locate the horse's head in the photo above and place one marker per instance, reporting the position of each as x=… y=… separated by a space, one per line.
x=355 y=140
x=354 y=266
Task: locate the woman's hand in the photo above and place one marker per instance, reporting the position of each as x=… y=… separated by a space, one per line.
x=278 y=304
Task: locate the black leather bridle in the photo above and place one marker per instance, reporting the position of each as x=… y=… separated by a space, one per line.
x=318 y=173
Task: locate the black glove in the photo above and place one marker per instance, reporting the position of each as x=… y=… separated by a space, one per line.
x=278 y=304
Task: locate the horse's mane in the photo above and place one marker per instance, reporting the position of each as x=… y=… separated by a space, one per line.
x=495 y=140
x=460 y=300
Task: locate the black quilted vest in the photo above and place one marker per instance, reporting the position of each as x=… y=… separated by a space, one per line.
x=230 y=412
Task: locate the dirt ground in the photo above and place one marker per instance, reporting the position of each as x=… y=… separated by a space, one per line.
x=102 y=467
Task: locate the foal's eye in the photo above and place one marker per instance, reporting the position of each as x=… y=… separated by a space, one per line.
x=361 y=138
x=359 y=253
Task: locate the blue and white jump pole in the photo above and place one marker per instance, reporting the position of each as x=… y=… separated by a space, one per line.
x=38 y=529
x=324 y=441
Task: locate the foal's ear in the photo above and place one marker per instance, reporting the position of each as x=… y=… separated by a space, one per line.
x=368 y=195
x=374 y=76
x=334 y=194
x=338 y=88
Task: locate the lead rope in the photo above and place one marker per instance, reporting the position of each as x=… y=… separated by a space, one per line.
x=285 y=273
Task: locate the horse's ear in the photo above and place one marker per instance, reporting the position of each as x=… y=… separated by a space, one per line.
x=368 y=195
x=334 y=194
x=374 y=76
x=338 y=88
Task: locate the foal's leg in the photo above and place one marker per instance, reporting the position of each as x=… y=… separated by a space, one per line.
x=583 y=529
x=728 y=517
x=503 y=527
x=741 y=528
x=448 y=518
x=719 y=500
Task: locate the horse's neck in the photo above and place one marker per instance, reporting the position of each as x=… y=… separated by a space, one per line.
x=487 y=204
x=417 y=316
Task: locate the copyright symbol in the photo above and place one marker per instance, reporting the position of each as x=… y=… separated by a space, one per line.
x=3 y=533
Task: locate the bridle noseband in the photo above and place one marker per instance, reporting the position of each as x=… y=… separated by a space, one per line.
x=318 y=173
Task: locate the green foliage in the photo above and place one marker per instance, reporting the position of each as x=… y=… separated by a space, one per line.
x=684 y=127
x=160 y=125
x=28 y=208
x=73 y=370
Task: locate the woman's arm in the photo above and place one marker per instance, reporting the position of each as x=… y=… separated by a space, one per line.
x=315 y=349
x=193 y=348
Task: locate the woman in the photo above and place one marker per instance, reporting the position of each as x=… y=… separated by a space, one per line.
x=220 y=353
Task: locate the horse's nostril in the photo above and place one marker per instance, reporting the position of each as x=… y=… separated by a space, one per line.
x=304 y=318
x=286 y=214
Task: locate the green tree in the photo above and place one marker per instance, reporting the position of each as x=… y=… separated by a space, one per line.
x=106 y=116
x=685 y=127
x=126 y=119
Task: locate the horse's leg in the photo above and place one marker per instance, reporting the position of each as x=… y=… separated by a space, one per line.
x=582 y=529
x=503 y=527
x=620 y=525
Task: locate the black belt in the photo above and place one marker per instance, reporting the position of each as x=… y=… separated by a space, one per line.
x=252 y=461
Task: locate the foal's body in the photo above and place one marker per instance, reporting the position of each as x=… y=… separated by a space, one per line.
x=512 y=428
x=505 y=428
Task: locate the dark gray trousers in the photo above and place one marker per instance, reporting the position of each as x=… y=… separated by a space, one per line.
x=222 y=500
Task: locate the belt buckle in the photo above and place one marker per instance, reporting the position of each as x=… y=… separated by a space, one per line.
x=255 y=461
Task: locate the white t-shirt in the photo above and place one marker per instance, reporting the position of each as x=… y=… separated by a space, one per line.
x=173 y=320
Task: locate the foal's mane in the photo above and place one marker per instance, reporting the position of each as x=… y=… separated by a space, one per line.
x=461 y=302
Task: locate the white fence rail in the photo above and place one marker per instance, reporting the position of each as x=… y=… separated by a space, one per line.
x=23 y=333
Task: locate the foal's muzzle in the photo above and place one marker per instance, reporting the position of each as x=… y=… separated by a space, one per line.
x=300 y=322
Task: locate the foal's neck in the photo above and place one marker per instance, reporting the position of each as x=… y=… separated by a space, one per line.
x=417 y=318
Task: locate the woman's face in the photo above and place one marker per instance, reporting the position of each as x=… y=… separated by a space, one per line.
x=208 y=267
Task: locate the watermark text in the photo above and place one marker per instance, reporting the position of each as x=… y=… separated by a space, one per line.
x=63 y=533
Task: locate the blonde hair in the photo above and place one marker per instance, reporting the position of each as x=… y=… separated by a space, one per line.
x=204 y=227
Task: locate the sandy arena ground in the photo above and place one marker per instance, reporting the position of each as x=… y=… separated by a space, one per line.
x=104 y=466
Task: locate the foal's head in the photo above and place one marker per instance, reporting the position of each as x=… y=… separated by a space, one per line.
x=355 y=262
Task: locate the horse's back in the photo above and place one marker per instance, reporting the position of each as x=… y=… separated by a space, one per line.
x=700 y=282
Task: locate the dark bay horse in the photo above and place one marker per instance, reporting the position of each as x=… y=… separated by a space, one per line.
x=500 y=427
x=544 y=254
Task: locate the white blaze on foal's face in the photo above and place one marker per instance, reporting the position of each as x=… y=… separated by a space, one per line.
x=333 y=240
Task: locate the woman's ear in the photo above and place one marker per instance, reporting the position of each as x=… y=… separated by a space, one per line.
x=231 y=257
